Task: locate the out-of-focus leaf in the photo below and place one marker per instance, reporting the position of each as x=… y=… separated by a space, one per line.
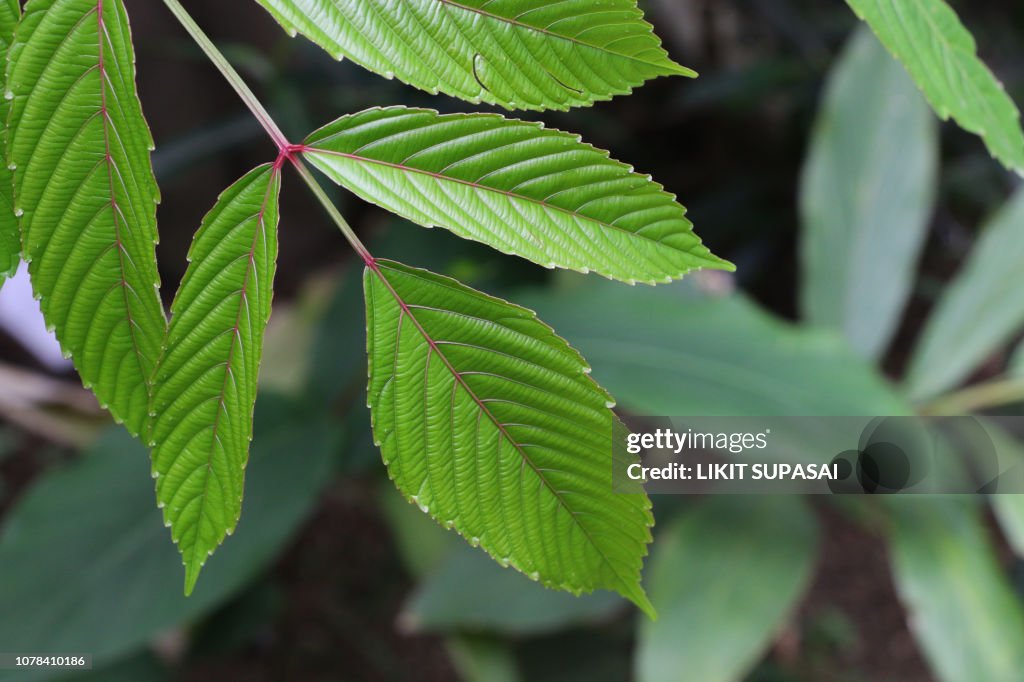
x=421 y=543
x=337 y=348
x=483 y=659
x=724 y=577
x=673 y=352
x=471 y=592
x=1008 y=508
x=521 y=54
x=866 y=196
x=961 y=608
x=981 y=310
x=941 y=55
x=424 y=547
x=84 y=560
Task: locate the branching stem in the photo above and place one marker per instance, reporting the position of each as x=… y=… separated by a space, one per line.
x=286 y=150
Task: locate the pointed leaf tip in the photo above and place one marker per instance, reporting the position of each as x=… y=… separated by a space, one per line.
x=517 y=186
x=577 y=55
x=207 y=380
x=484 y=414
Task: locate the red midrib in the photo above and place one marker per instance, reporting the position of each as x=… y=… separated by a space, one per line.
x=404 y=307
x=260 y=219
x=484 y=188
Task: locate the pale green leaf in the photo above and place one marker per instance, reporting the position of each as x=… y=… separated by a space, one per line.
x=483 y=659
x=981 y=310
x=521 y=54
x=961 y=608
x=207 y=379
x=85 y=186
x=727 y=574
x=865 y=199
x=84 y=560
x=941 y=56
x=469 y=592
x=490 y=423
x=516 y=186
x=10 y=233
x=672 y=351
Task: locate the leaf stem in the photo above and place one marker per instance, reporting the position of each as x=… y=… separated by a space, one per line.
x=978 y=397
x=286 y=150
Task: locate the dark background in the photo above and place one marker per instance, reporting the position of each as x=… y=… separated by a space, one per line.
x=730 y=144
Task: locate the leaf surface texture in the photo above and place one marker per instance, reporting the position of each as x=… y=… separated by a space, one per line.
x=10 y=234
x=490 y=423
x=942 y=57
x=207 y=380
x=84 y=183
x=516 y=186
x=520 y=54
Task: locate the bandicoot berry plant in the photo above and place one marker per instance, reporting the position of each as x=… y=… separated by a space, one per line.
x=486 y=419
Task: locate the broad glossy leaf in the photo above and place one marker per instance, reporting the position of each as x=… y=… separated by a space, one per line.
x=514 y=185
x=207 y=379
x=866 y=196
x=941 y=55
x=673 y=351
x=980 y=311
x=10 y=235
x=491 y=424
x=735 y=565
x=85 y=186
x=84 y=560
x=521 y=54
x=961 y=607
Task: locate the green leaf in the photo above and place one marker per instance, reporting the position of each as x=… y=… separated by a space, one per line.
x=980 y=311
x=468 y=592
x=734 y=565
x=521 y=54
x=85 y=187
x=866 y=196
x=514 y=185
x=10 y=233
x=483 y=659
x=941 y=55
x=207 y=379
x=671 y=351
x=961 y=607
x=490 y=423
x=84 y=560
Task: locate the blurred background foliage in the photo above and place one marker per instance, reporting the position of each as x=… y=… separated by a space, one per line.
x=879 y=273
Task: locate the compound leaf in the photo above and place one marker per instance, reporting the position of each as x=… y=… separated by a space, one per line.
x=206 y=381
x=85 y=188
x=942 y=57
x=520 y=54
x=516 y=186
x=10 y=234
x=488 y=421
